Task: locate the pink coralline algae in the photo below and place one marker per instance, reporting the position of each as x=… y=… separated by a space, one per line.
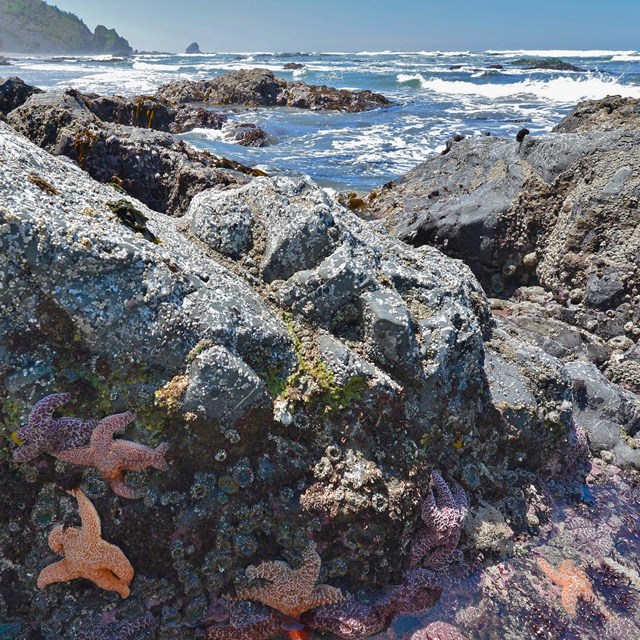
x=113 y=457
x=438 y=631
x=124 y=630
x=43 y=434
x=443 y=513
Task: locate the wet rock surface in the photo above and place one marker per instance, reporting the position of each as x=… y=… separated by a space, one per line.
x=608 y=114
x=560 y=211
x=306 y=370
x=309 y=373
x=260 y=87
x=151 y=165
x=13 y=93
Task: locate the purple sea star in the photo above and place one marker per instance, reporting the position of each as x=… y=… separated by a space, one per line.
x=443 y=513
x=245 y=621
x=43 y=434
x=113 y=457
x=123 y=630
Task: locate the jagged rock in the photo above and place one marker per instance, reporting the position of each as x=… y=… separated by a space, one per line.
x=149 y=113
x=608 y=114
x=222 y=387
x=550 y=64
x=293 y=65
x=13 y=93
x=260 y=87
x=559 y=210
x=193 y=48
x=247 y=135
x=5 y=62
x=163 y=173
x=284 y=414
x=609 y=414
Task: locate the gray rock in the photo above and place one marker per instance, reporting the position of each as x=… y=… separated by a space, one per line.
x=558 y=210
x=223 y=388
x=387 y=328
x=260 y=87
x=152 y=166
x=607 y=412
x=608 y=114
x=13 y=93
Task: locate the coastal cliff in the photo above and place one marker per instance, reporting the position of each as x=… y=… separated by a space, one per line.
x=33 y=26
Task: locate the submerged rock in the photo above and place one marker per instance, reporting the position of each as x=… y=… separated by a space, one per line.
x=260 y=87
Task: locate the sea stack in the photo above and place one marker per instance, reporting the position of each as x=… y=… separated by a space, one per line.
x=193 y=48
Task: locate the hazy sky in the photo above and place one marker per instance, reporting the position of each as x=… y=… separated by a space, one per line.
x=374 y=25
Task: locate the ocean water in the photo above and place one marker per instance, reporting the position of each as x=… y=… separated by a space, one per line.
x=436 y=93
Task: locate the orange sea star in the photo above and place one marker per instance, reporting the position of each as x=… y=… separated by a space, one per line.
x=574 y=582
x=113 y=457
x=86 y=554
x=291 y=591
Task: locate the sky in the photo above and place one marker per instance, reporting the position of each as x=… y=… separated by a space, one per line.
x=366 y=25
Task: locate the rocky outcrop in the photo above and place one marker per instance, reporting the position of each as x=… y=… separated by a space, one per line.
x=33 y=26
x=13 y=93
x=5 y=62
x=247 y=135
x=260 y=87
x=305 y=368
x=194 y=47
x=548 y=64
x=162 y=172
x=559 y=210
x=609 y=114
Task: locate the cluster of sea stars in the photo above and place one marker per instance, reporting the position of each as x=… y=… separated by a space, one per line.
x=65 y=438
x=86 y=554
x=443 y=513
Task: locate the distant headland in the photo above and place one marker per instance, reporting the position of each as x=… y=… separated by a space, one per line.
x=33 y=26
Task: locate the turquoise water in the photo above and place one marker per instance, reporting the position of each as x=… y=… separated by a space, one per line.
x=437 y=95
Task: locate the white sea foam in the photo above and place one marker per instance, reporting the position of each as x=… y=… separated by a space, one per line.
x=147 y=66
x=560 y=53
x=561 y=90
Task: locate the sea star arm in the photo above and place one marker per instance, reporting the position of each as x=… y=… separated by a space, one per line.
x=60 y=571
x=117 y=484
x=325 y=594
x=553 y=574
x=91 y=527
x=109 y=426
x=42 y=413
x=26 y=452
x=107 y=580
x=82 y=456
x=307 y=574
x=444 y=497
x=275 y=571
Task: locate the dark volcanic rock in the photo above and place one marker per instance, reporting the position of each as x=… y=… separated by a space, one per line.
x=558 y=209
x=260 y=87
x=13 y=93
x=151 y=165
x=247 y=135
x=293 y=65
x=609 y=114
x=194 y=47
x=551 y=64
